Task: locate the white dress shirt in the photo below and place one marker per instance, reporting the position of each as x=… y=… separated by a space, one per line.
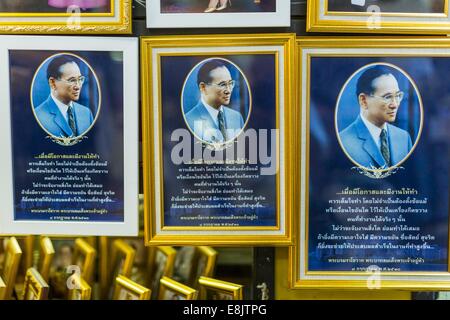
x=375 y=131
x=212 y=111
x=62 y=107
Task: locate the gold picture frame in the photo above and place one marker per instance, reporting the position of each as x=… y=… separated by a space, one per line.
x=381 y=50
x=213 y=289
x=46 y=254
x=170 y=289
x=13 y=254
x=320 y=18
x=139 y=266
x=84 y=256
x=205 y=263
x=117 y=20
x=280 y=48
x=162 y=262
x=35 y=287
x=80 y=291
x=127 y=289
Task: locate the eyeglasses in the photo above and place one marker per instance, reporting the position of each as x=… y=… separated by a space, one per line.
x=390 y=98
x=74 y=81
x=224 y=85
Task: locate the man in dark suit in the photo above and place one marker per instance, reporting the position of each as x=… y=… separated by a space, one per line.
x=210 y=119
x=371 y=140
x=60 y=114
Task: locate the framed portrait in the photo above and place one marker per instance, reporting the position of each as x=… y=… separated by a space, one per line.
x=127 y=289
x=215 y=139
x=10 y=266
x=377 y=16
x=213 y=289
x=84 y=257
x=65 y=16
x=162 y=261
x=218 y=13
x=80 y=290
x=369 y=216
x=35 y=287
x=122 y=257
x=137 y=270
x=170 y=289
x=26 y=244
x=183 y=267
x=205 y=263
x=78 y=175
x=73 y=258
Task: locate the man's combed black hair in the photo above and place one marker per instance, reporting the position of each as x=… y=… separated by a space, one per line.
x=365 y=82
x=54 y=67
x=204 y=73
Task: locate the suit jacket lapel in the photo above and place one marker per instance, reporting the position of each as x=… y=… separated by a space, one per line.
x=58 y=118
x=369 y=145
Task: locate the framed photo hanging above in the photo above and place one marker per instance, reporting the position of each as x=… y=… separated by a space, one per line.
x=369 y=16
x=65 y=16
x=218 y=13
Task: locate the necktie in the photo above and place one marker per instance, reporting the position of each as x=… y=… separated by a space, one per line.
x=222 y=127
x=72 y=124
x=385 y=147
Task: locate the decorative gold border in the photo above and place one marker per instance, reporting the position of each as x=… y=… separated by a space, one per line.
x=83 y=248
x=205 y=283
x=168 y=284
x=301 y=247
x=315 y=24
x=59 y=14
x=123 y=283
x=286 y=41
x=124 y=250
x=9 y=272
x=81 y=291
x=211 y=256
x=35 y=283
x=122 y=26
x=389 y=14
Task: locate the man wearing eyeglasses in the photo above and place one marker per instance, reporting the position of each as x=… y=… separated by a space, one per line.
x=371 y=140
x=211 y=119
x=60 y=114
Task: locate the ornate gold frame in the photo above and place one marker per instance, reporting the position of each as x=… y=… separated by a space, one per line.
x=211 y=256
x=122 y=25
x=233 y=289
x=84 y=249
x=401 y=24
x=123 y=283
x=213 y=235
x=167 y=283
x=13 y=254
x=36 y=285
x=339 y=46
x=81 y=291
x=46 y=254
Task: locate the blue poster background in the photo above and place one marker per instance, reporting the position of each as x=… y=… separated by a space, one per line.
x=105 y=138
x=260 y=72
x=427 y=169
